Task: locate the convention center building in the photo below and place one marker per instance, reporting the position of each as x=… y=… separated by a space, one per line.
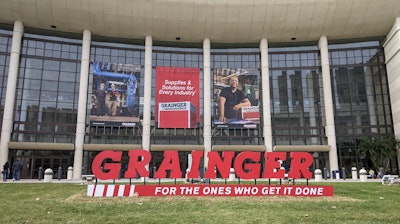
x=79 y=77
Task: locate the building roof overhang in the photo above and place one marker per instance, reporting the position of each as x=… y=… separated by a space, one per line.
x=189 y=21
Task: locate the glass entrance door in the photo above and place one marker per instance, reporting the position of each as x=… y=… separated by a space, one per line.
x=33 y=161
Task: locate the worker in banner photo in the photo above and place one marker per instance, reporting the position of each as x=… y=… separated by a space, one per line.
x=113 y=100
x=231 y=100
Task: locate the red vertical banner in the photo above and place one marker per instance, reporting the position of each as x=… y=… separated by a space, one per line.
x=177 y=97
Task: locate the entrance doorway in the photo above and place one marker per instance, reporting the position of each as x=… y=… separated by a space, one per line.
x=34 y=160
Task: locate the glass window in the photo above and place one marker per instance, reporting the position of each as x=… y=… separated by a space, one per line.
x=358 y=84
x=34 y=63
x=294 y=91
x=40 y=86
x=32 y=84
x=49 y=85
x=67 y=87
x=33 y=73
x=50 y=75
x=68 y=66
x=51 y=65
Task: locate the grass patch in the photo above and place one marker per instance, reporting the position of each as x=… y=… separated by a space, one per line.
x=68 y=203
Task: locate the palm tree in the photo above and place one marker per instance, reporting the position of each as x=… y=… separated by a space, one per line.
x=380 y=150
x=388 y=145
x=367 y=149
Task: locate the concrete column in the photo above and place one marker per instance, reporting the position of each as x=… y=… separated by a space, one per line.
x=327 y=88
x=312 y=113
x=10 y=92
x=371 y=99
x=207 y=98
x=392 y=57
x=82 y=103
x=311 y=97
x=266 y=95
x=147 y=93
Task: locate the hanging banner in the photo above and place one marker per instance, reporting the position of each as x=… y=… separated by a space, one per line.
x=177 y=97
x=115 y=94
x=236 y=98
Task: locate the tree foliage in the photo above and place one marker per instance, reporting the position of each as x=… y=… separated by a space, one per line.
x=379 y=149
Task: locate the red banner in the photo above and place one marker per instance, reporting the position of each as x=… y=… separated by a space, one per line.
x=207 y=190
x=177 y=97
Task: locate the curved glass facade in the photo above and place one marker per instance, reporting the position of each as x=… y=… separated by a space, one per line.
x=48 y=89
x=5 y=49
x=296 y=96
x=361 y=96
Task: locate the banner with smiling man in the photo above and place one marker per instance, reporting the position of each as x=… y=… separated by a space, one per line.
x=236 y=96
x=177 y=97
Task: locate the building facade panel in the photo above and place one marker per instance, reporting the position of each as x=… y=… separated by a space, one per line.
x=392 y=48
x=49 y=76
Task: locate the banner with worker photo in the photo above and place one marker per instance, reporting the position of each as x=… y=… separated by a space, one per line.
x=177 y=97
x=236 y=98
x=115 y=94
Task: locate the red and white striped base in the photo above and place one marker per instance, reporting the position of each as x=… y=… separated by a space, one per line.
x=99 y=190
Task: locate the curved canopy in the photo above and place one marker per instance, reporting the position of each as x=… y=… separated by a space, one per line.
x=222 y=21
